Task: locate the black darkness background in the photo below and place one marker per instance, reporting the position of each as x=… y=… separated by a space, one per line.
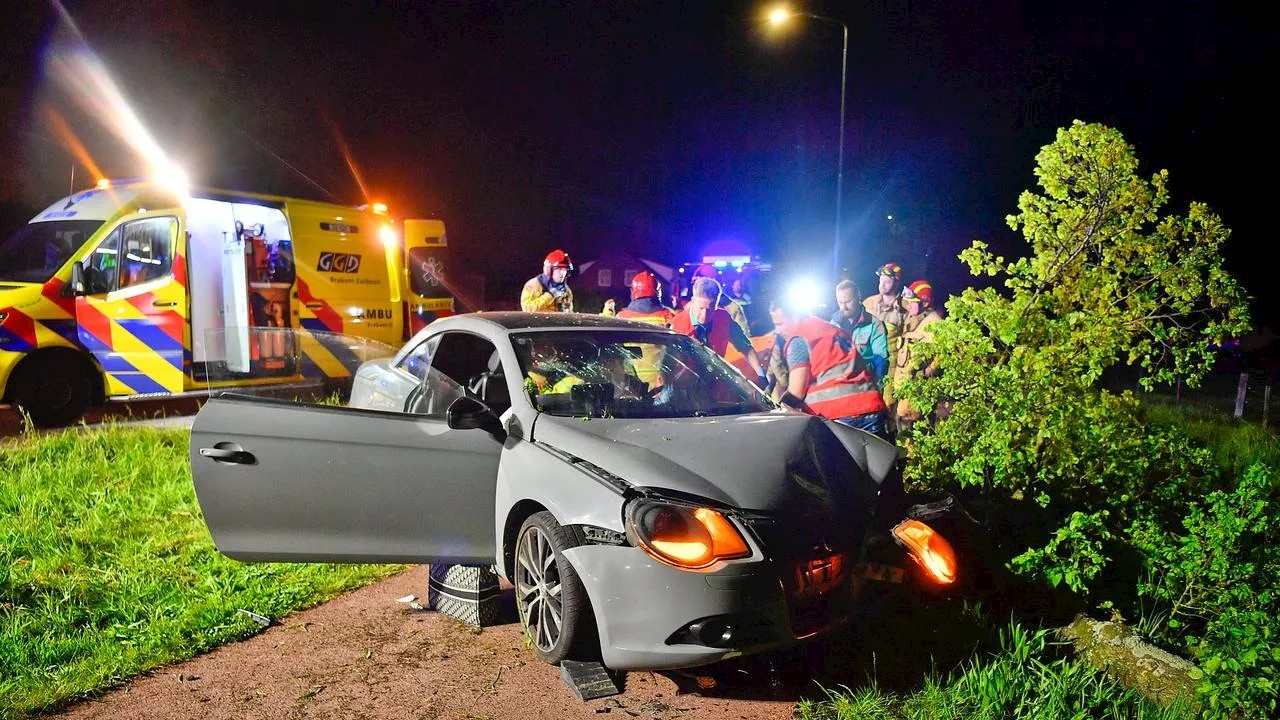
x=662 y=126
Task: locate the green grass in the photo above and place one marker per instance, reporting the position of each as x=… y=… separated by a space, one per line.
x=107 y=570
x=1028 y=678
x=1236 y=444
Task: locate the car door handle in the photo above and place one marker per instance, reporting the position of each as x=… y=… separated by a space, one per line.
x=228 y=455
x=167 y=303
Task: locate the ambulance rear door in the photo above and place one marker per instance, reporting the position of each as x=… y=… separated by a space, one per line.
x=429 y=294
x=346 y=286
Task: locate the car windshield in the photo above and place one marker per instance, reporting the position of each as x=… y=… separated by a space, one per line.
x=36 y=251
x=631 y=374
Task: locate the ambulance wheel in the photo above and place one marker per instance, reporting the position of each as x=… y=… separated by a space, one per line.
x=554 y=610
x=54 y=391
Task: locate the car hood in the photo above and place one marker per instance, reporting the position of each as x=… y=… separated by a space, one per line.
x=768 y=462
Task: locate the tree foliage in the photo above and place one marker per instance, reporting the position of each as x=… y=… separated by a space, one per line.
x=1110 y=278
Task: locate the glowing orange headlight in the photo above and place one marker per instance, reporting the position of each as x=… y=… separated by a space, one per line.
x=685 y=537
x=929 y=549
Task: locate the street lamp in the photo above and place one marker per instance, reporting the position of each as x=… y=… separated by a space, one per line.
x=779 y=16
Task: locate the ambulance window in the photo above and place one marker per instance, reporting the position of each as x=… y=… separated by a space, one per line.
x=101 y=267
x=419 y=359
x=147 y=250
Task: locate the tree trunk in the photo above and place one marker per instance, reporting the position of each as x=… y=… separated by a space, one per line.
x=1116 y=649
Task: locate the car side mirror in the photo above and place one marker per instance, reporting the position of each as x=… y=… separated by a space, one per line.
x=76 y=286
x=467 y=413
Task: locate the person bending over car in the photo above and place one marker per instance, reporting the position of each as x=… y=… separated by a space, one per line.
x=714 y=327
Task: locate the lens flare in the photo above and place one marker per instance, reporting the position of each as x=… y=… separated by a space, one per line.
x=82 y=75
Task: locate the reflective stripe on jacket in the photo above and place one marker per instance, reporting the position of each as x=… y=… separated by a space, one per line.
x=840 y=385
x=661 y=317
x=913 y=332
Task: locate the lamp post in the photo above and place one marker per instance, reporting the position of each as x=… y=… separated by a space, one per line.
x=779 y=16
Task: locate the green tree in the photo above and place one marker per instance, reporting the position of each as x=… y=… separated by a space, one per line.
x=1110 y=278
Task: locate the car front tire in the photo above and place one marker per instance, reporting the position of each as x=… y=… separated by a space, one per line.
x=554 y=609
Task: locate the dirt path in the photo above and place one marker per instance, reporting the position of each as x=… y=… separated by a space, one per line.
x=365 y=655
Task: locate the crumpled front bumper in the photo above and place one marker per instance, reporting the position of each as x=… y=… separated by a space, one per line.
x=644 y=610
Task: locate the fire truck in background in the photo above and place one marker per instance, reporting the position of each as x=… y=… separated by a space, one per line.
x=132 y=290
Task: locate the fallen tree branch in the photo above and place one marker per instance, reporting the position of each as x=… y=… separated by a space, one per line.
x=1117 y=650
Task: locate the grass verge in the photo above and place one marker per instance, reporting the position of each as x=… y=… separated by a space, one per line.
x=107 y=570
x=1028 y=678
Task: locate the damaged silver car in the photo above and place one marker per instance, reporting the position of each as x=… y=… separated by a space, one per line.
x=650 y=505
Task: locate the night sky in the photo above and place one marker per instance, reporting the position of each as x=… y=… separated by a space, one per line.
x=660 y=127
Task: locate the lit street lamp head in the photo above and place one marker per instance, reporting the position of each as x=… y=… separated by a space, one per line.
x=779 y=15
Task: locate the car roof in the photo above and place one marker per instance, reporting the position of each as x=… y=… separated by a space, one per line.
x=543 y=321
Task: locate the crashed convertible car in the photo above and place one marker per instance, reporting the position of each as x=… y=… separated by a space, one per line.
x=651 y=507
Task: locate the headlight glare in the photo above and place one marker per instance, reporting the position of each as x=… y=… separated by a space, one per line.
x=689 y=538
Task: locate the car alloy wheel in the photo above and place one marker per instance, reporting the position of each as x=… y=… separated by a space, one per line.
x=553 y=605
x=538 y=585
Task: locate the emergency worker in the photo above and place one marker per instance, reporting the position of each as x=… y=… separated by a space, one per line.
x=887 y=307
x=549 y=292
x=827 y=376
x=868 y=334
x=723 y=301
x=778 y=372
x=551 y=369
x=920 y=315
x=646 y=307
x=713 y=326
x=738 y=291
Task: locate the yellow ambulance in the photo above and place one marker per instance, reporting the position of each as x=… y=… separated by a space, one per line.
x=130 y=290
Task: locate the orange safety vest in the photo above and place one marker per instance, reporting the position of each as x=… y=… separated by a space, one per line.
x=718 y=334
x=840 y=385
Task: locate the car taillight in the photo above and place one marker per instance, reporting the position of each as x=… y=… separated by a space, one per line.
x=929 y=549
x=689 y=538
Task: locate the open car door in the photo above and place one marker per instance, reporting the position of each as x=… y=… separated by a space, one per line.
x=281 y=481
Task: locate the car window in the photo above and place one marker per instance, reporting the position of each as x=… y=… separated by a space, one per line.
x=461 y=364
x=630 y=374
x=418 y=360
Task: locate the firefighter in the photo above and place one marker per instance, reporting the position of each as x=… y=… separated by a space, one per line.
x=645 y=305
x=714 y=327
x=549 y=292
x=827 y=376
x=724 y=302
x=920 y=315
x=887 y=307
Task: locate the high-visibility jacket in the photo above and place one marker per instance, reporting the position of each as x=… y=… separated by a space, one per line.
x=718 y=321
x=648 y=310
x=893 y=314
x=914 y=331
x=536 y=296
x=544 y=386
x=840 y=385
